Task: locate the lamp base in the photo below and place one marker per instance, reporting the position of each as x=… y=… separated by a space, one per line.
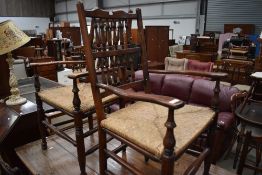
x=15 y=101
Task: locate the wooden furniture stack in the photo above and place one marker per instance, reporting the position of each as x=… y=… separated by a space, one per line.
x=205 y=50
x=72 y=33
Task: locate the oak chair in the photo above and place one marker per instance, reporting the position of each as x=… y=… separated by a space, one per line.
x=75 y=101
x=149 y=125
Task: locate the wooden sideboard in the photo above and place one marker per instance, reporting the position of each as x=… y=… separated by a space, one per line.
x=201 y=56
x=49 y=72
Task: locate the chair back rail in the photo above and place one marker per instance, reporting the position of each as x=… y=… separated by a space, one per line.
x=110 y=46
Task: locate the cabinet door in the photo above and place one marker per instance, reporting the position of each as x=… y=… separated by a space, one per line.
x=157 y=42
x=163 y=36
x=152 y=43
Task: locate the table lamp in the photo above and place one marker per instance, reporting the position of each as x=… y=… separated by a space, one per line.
x=12 y=38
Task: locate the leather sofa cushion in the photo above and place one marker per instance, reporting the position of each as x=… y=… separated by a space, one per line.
x=195 y=65
x=202 y=93
x=177 y=86
x=156 y=81
x=227 y=118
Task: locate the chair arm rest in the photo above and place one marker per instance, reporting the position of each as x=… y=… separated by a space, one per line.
x=78 y=75
x=212 y=75
x=193 y=168
x=82 y=74
x=158 y=99
x=56 y=62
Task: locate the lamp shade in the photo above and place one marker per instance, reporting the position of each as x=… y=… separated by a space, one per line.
x=11 y=37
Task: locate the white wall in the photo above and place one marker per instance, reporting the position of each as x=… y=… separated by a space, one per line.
x=183 y=12
x=29 y=23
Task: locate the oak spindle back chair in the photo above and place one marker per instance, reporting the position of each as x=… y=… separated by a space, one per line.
x=75 y=101
x=148 y=125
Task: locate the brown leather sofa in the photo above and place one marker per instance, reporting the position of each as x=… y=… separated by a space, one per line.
x=198 y=91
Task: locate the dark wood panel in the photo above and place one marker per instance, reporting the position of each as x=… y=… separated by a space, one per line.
x=4 y=77
x=49 y=72
x=247 y=29
x=27 y=8
x=201 y=56
x=157 y=42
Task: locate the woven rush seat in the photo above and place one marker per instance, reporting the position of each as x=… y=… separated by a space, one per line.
x=62 y=97
x=149 y=119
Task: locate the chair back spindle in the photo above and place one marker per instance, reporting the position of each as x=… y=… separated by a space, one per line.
x=110 y=48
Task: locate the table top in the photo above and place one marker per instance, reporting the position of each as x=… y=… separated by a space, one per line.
x=251 y=114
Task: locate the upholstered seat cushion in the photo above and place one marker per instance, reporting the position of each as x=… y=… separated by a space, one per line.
x=175 y=64
x=63 y=97
x=143 y=123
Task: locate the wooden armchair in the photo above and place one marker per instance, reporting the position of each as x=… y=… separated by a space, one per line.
x=159 y=127
x=238 y=71
x=75 y=101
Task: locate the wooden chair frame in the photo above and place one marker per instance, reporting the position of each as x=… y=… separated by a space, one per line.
x=106 y=40
x=78 y=116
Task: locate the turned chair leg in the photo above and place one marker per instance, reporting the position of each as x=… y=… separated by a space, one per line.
x=90 y=122
x=258 y=156
x=238 y=149
x=41 y=117
x=102 y=153
x=80 y=143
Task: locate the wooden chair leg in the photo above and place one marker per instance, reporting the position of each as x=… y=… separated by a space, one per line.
x=238 y=149
x=167 y=165
x=258 y=156
x=102 y=153
x=244 y=154
x=41 y=118
x=90 y=122
x=230 y=147
x=80 y=143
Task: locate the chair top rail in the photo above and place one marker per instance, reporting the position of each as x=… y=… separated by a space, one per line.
x=98 y=13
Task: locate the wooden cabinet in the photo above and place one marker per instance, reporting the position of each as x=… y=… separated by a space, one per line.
x=49 y=71
x=246 y=29
x=157 y=42
x=200 y=56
